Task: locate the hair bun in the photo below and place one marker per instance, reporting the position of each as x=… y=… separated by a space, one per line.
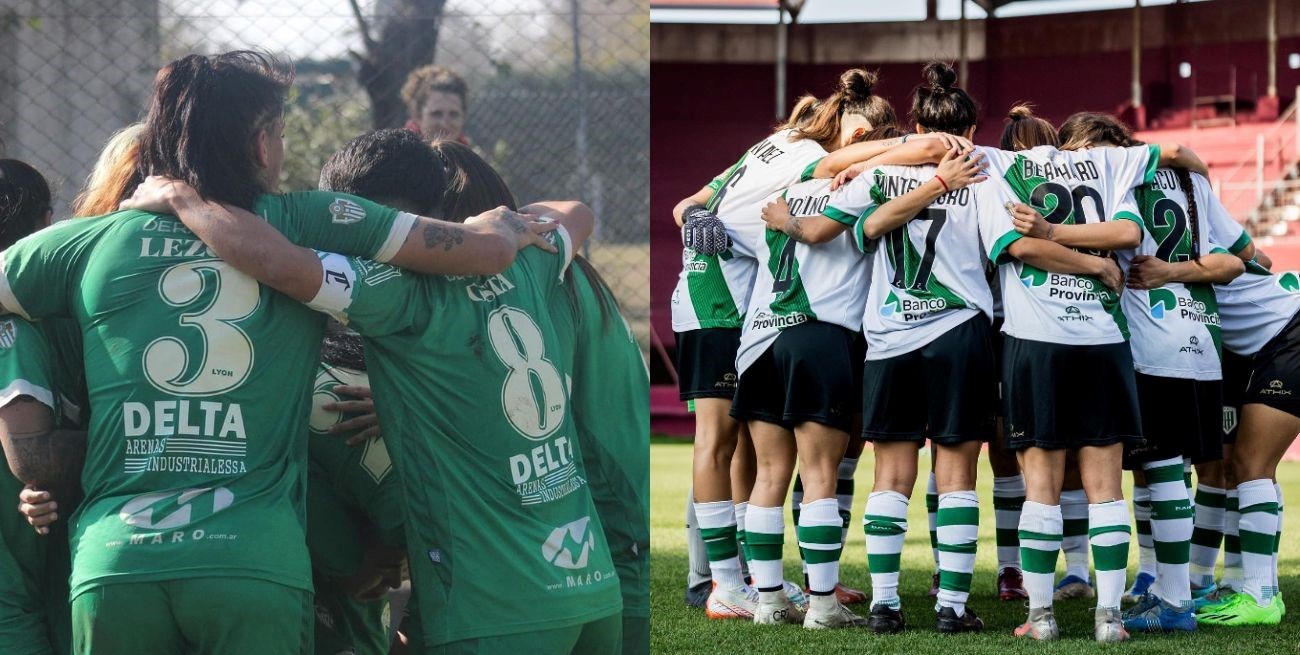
x=1021 y=111
x=856 y=84
x=940 y=77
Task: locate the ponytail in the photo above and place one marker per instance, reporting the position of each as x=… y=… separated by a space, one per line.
x=1193 y=214
x=939 y=105
x=853 y=96
x=1024 y=130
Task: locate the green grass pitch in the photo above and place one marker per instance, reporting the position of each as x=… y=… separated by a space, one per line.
x=676 y=628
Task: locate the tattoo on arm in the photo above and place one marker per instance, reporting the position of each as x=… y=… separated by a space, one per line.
x=48 y=459
x=794 y=228
x=436 y=235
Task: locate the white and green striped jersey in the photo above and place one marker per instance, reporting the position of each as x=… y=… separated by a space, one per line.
x=1254 y=307
x=1067 y=188
x=928 y=276
x=713 y=290
x=1174 y=329
x=797 y=282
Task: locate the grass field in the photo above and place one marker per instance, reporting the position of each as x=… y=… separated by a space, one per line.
x=677 y=628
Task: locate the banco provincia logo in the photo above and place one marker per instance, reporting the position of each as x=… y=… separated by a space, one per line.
x=569 y=545
x=1289 y=281
x=1162 y=301
x=344 y=211
x=164 y=510
x=891 y=305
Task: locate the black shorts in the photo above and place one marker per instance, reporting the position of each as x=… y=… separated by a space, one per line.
x=706 y=363
x=1058 y=396
x=1236 y=375
x=806 y=375
x=859 y=355
x=1275 y=371
x=1180 y=418
x=941 y=391
x=996 y=336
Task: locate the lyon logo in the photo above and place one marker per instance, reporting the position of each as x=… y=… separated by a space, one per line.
x=345 y=211
x=173 y=509
x=569 y=545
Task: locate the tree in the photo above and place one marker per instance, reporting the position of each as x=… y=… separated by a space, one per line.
x=408 y=38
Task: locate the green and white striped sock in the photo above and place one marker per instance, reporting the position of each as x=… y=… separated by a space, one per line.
x=765 y=534
x=885 y=525
x=1142 y=516
x=1207 y=533
x=844 y=488
x=741 y=510
x=1040 y=543
x=718 y=529
x=1233 y=576
x=1108 y=531
x=819 y=541
x=1074 y=532
x=958 y=534
x=1008 y=497
x=1258 y=529
x=1277 y=545
x=1171 y=529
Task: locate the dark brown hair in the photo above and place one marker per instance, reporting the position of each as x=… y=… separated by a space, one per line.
x=24 y=201
x=427 y=79
x=1193 y=213
x=881 y=133
x=203 y=122
x=1088 y=128
x=1024 y=130
x=939 y=105
x=821 y=121
x=474 y=187
x=394 y=167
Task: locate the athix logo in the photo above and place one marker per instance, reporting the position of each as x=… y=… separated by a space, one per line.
x=569 y=545
x=173 y=509
x=1162 y=301
x=1276 y=388
x=344 y=211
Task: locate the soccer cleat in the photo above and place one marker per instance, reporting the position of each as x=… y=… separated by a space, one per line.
x=1241 y=609
x=1107 y=626
x=775 y=608
x=934 y=586
x=1143 y=604
x=826 y=613
x=1202 y=592
x=849 y=595
x=1041 y=625
x=1281 y=606
x=1141 y=585
x=949 y=623
x=731 y=603
x=1159 y=616
x=1213 y=600
x=796 y=595
x=1011 y=585
x=1071 y=587
x=884 y=619
x=698 y=595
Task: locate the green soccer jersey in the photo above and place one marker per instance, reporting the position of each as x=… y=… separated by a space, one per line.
x=611 y=409
x=350 y=491
x=43 y=362
x=471 y=387
x=199 y=384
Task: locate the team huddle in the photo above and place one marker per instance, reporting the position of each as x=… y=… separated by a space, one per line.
x=1079 y=302
x=237 y=419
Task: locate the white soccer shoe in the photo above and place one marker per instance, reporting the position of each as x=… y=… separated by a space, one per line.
x=1108 y=626
x=796 y=595
x=731 y=603
x=774 y=608
x=826 y=613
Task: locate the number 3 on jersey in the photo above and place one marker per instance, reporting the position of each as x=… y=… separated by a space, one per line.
x=533 y=395
x=209 y=354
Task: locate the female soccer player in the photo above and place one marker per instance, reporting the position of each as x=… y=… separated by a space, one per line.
x=711 y=299
x=797 y=378
x=1063 y=315
x=1173 y=321
x=1261 y=321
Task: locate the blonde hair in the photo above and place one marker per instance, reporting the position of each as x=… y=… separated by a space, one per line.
x=113 y=176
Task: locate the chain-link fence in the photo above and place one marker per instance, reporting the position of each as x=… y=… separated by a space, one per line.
x=558 y=90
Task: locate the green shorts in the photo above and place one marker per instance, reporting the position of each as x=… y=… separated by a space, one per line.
x=196 y=616
x=347 y=625
x=599 y=637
